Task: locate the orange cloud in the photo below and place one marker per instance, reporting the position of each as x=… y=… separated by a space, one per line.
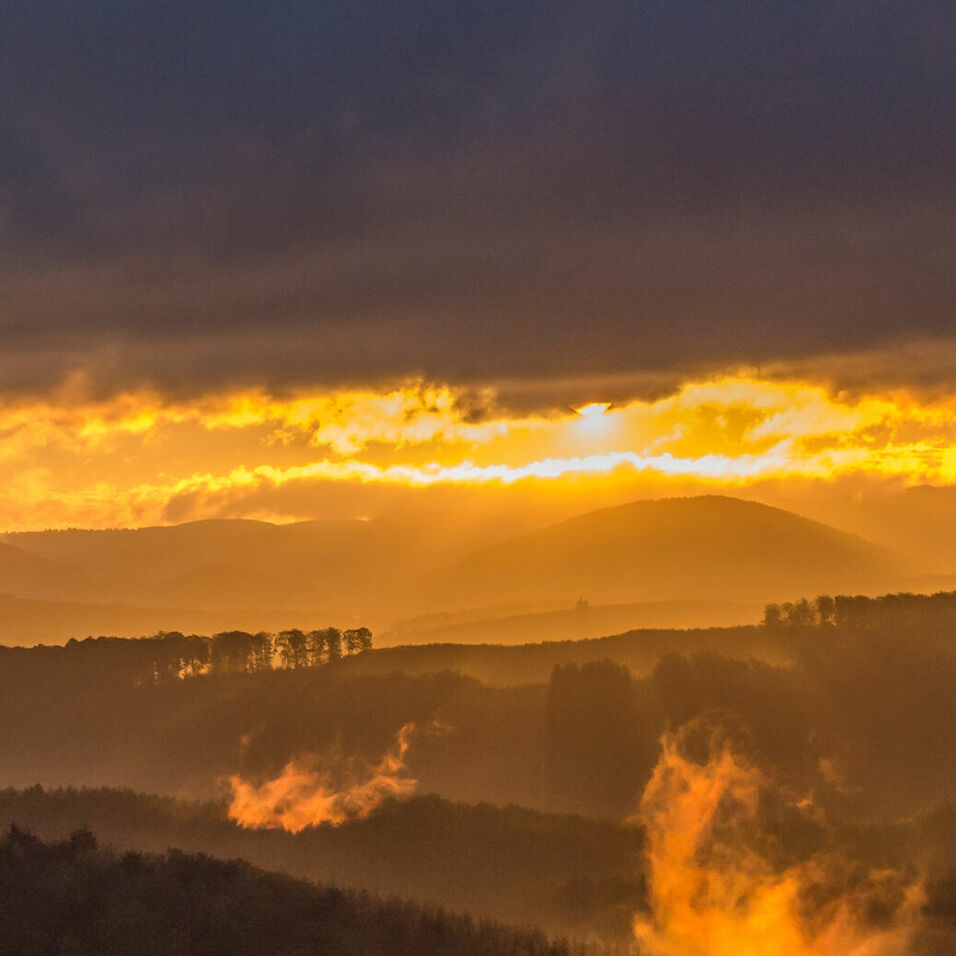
x=124 y=460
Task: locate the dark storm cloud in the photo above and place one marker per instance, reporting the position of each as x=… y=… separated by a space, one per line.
x=193 y=193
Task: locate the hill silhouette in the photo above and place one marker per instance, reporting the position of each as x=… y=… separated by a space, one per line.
x=337 y=564
x=30 y=575
x=708 y=547
x=73 y=897
x=505 y=863
x=659 y=557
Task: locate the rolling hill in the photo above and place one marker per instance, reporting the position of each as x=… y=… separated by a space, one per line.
x=72 y=897
x=507 y=863
x=32 y=576
x=344 y=565
x=24 y=621
x=703 y=548
x=658 y=557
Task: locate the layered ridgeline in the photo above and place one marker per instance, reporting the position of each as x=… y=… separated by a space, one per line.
x=569 y=875
x=675 y=563
x=74 y=897
x=797 y=803
x=867 y=685
x=222 y=563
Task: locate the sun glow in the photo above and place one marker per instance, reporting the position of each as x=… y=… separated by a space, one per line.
x=142 y=458
x=593 y=410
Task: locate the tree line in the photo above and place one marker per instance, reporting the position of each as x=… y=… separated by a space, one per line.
x=569 y=875
x=896 y=611
x=172 y=655
x=239 y=652
x=74 y=897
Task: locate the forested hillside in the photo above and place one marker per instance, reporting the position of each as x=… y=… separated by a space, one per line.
x=99 y=713
x=351 y=769
x=568 y=874
x=73 y=897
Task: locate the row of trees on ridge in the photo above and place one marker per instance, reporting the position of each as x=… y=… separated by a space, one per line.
x=244 y=653
x=858 y=611
x=172 y=655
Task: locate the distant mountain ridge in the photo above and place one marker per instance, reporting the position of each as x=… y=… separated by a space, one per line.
x=707 y=547
x=30 y=575
x=704 y=549
x=202 y=564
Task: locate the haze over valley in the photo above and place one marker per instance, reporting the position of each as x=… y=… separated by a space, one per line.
x=671 y=562
x=478 y=479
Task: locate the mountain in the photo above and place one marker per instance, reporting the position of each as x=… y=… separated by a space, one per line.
x=32 y=576
x=706 y=549
x=157 y=554
x=225 y=586
x=703 y=548
x=348 y=566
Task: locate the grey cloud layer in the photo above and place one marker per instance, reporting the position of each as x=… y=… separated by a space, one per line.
x=198 y=193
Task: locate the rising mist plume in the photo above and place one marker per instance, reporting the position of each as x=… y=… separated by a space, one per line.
x=334 y=790
x=715 y=888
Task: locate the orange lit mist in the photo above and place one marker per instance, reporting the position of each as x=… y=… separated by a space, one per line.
x=141 y=458
x=309 y=792
x=711 y=894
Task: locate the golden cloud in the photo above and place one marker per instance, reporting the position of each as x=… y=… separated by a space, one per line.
x=122 y=461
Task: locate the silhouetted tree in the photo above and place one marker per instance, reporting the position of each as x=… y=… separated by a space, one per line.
x=70 y=897
x=826 y=609
x=315 y=647
x=333 y=644
x=263 y=648
x=232 y=651
x=293 y=648
x=772 y=616
x=802 y=614
x=357 y=639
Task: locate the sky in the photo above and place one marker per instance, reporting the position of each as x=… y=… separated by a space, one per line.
x=290 y=260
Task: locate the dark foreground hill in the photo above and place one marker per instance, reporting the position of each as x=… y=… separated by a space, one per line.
x=568 y=874
x=94 y=901
x=709 y=547
x=72 y=897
